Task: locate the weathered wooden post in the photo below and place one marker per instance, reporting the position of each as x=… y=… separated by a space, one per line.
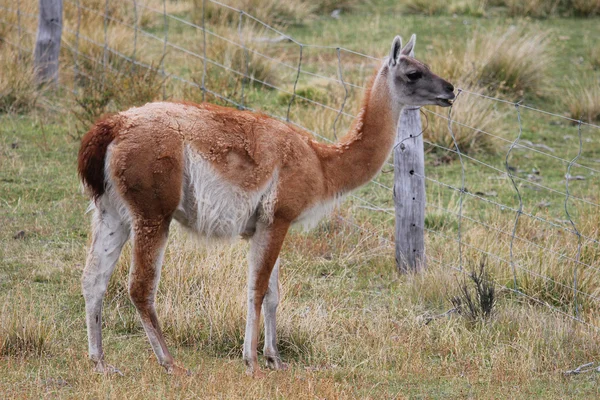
x=47 y=44
x=409 y=192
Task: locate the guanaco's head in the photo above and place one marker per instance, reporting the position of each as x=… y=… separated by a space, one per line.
x=412 y=82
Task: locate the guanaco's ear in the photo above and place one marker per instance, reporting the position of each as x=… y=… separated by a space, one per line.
x=409 y=49
x=395 y=51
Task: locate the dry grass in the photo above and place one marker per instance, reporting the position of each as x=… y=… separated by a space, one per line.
x=511 y=60
x=24 y=330
x=105 y=89
x=350 y=326
x=586 y=7
x=472 y=117
x=347 y=320
x=437 y=7
x=583 y=101
x=271 y=12
x=532 y=8
x=514 y=8
x=18 y=91
x=595 y=57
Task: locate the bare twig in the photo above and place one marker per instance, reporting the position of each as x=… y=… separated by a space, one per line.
x=582 y=369
x=429 y=318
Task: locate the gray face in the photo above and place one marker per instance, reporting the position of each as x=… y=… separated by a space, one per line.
x=412 y=81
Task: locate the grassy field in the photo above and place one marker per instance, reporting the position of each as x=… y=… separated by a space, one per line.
x=349 y=325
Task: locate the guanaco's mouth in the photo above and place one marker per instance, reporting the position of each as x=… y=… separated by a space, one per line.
x=445 y=102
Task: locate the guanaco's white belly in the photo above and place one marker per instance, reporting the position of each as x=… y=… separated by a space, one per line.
x=214 y=208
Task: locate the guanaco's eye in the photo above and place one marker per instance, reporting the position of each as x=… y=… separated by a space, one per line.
x=413 y=76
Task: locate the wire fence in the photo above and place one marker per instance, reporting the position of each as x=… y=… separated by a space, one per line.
x=539 y=230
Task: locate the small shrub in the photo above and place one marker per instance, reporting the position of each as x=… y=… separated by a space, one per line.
x=476 y=296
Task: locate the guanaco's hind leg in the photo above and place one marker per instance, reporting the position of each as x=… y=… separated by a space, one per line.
x=109 y=234
x=264 y=252
x=150 y=239
x=269 y=309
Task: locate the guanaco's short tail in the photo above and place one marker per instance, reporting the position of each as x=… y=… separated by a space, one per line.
x=92 y=153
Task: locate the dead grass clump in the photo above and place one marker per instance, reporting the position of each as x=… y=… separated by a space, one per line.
x=532 y=8
x=271 y=12
x=106 y=90
x=471 y=116
x=595 y=57
x=427 y=7
x=586 y=8
x=549 y=8
x=23 y=334
x=228 y=55
x=513 y=61
x=437 y=7
x=328 y=6
x=583 y=101
x=18 y=91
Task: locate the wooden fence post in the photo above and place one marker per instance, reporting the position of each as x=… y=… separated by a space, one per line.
x=47 y=44
x=409 y=192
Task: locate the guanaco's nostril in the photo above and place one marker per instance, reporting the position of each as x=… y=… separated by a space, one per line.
x=449 y=87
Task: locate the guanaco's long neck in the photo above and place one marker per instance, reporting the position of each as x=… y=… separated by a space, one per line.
x=361 y=153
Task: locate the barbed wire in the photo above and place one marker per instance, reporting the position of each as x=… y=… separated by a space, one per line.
x=300 y=70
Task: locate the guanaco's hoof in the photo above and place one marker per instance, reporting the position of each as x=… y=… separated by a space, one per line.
x=256 y=373
x=107 y=369
x=176 y=370
x=276 y=364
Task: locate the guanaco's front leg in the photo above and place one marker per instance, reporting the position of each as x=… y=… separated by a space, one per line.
x=264 y=251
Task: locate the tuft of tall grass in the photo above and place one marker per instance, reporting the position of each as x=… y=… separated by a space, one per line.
x=583 y=101
x=512 y=61
x=437 y=7
x=514 y=8
x=18 y=90
x=595 y=57
x=471 y=118
x=272 y=12
x=427 y=7
x=532 y=8
x=23 y=333
x=105 y=89
x=202 y=301
x=586 y=8
x=549 y=8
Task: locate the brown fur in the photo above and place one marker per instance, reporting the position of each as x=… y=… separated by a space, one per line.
x=90 y=162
